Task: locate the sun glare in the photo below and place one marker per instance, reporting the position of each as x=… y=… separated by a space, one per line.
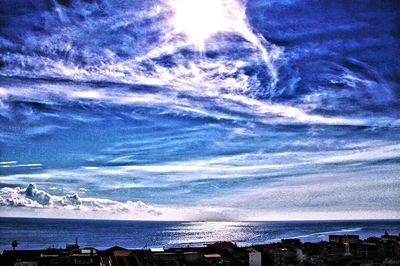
x=199 y=19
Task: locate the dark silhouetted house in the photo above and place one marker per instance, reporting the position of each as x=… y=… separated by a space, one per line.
x=341 y=239
x=166 y=258
x=295 y=242
x=364 y=251
x=255 y=256
x=19 y=257
x=192 y=258
x=241 y=255
x=123 y=258
x=272 y=254
x=213 y=259
x=280 y=255
x=143 y=257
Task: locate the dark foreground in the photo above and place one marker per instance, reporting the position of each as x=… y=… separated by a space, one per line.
x=338 y=250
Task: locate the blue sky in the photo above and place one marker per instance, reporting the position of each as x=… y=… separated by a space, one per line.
x=147 y=110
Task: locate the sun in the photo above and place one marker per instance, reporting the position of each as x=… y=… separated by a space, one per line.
x=199 y=19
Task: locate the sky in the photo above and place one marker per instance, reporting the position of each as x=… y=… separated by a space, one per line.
x=216 y=110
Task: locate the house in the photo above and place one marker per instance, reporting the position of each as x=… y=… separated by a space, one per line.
x=213 y=259
x=341 y=239
x=255 y=257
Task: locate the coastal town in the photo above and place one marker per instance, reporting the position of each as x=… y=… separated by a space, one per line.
x=337 y=250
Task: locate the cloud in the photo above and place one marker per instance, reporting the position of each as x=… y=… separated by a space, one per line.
x=358 y=191
x=194 y=85
x=8 y=162
x=13 y=164
x=32 y=197
x=198 y=102
x=366 y=154
x=302 y=157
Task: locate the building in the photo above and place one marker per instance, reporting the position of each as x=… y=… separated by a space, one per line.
x=340 y=250
x=341 y=239
x=255 y=257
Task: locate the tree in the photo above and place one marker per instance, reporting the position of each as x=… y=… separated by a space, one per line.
x=14 y=244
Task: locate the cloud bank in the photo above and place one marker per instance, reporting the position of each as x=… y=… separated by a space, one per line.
x=32 y=197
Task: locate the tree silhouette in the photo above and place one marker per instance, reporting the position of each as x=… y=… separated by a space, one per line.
x=14 y=244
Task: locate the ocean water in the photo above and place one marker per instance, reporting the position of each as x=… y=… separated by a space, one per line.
x=40 y=233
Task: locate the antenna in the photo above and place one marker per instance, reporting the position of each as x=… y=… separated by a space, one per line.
x=145 y=246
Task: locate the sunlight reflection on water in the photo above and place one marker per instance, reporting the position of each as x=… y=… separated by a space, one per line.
x=195 y=232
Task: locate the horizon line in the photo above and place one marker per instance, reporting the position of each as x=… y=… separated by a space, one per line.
x=205 y=221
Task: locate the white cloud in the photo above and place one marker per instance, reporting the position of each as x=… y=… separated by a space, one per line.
x=12 y=165
x=249 y=165
x=32 y=197
x=8 y=162
x=389 y=151
x=171 y=100
x=317 y=196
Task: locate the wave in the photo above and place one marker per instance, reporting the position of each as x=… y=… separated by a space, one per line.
x=322 y=234
x=325 y=233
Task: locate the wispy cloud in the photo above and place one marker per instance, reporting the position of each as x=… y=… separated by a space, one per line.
x=15 y=164
x=366 y=154
x=8 y=162
x=318 y=196
x=197 y=102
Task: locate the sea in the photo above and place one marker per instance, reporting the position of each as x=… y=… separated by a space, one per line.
x=38 y=233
